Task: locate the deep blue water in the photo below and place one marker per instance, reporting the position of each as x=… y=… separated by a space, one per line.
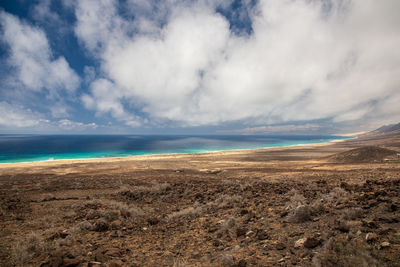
x=27 y=148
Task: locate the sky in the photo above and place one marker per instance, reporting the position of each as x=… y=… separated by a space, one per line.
x=198 y=67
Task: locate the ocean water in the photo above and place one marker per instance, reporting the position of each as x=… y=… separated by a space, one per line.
x=30 y=148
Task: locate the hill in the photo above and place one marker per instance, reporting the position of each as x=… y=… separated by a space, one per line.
x=364 y=155
x=388 y=128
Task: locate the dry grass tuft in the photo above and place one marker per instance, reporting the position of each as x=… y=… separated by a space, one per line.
x=189 y=212
x=138 y=191
x=343 y=253
x=26 y=248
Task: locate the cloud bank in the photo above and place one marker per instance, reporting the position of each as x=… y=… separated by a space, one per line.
x=302 y=60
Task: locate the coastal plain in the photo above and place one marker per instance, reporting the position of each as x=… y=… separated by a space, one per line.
x=334 y=204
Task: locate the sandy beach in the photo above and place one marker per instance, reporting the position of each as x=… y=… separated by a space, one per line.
x=301 y=205
x=224 y=153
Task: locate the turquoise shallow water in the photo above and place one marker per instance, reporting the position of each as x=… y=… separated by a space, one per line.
x=31 y=148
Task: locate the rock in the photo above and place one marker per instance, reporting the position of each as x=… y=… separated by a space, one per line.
x=100 y=257
x=116 y=263
x=243 y=212
x=342 y=226
x=71 y=262
x=283 y=259
x=64 y=234
x=283 y=213
x=113 y=252
x=312 y=242
x=299 y=243
x=153 y=221
x=242 y=263
x=217 y=243
x=250 y=233
x=370 y=237
x=241 y=231
x=301 y=214
x=116 y=224
x=101 y=225
x=85 y=225
x=280 y=246
x=262 y=235
x=94 y=263
x=227 y=260
x=55 y=261
x=393 y=207
x=385 y=244
x=370 y=224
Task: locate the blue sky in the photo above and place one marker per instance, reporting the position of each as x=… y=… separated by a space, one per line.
x=205 y=67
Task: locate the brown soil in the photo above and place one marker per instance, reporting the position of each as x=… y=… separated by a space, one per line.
x=273 y=207
x=365 y=154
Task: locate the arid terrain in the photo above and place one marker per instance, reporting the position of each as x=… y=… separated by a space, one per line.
x=321 y=205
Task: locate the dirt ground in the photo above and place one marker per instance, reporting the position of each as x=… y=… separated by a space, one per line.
x=273 y=207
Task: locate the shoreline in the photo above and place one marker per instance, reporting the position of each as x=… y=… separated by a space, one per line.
x=55 y=162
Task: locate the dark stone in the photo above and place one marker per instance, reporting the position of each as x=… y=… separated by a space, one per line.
x=217 y=243
x=242 y=263
x=99 y=256
x=153 y=221
x=113 y=252
x=71 y=262
x=280 y=246
x=393 y=207
x=312 y=242
x=342 y=227
x=241 y=231
x=101 y=226
x=262 y=235
x=243 y=212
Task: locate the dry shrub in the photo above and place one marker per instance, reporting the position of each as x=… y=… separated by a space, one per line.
x=228 y=224
x=302 y=213
x=352 y=214
x=179 y=262
x=26 y=249
x=83 y=226
x=108 y=209
x=297 y=208
x=189 y=212
x=343 y=253
x=137 y=191
x=92 y=204
x=296 y=199
x=47 y=197
x=224 y=201
x=336 y=196
x=227 y=259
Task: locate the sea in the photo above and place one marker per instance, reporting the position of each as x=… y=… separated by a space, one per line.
x=32 y=148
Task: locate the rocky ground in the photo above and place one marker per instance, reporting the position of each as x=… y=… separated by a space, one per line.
x=258 y=208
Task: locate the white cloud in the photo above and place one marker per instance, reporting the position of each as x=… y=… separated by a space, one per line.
x=17 y=116
x=303 y=61
x=106 y=97
x=72 y=125
x=31 y=57
x=42 y=12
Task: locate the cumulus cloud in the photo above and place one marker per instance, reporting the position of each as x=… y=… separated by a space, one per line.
x=302 y=60
x=105 y=98
x=18 y=116
x=31 y=58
